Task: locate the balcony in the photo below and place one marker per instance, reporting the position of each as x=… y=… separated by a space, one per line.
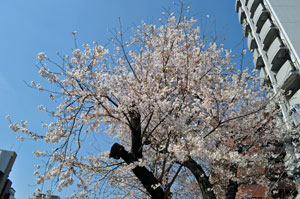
x=260 y=16
x=295 y=113
x=277 y=54
x=237 y=5
x=295 y=99
x=246 y=29
x=241 y=15
x=294 y=102
x=257 y=59
x=252 y=5
x=268 y=33
x=251 y=42
x=264 y=78
x=288 y=77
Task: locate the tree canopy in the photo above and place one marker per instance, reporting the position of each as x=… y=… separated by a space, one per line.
x=183 y=117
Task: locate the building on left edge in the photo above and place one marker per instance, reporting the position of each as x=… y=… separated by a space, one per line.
x=7 y=159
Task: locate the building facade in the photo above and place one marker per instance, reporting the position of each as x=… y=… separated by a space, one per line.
x=44 y=196
x=7 y=159
x=272 y=28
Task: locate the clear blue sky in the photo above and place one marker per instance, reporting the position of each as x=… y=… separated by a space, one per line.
x=31 y=26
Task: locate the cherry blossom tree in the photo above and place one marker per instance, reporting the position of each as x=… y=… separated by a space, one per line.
x=182 y=116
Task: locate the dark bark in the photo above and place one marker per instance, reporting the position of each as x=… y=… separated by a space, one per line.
x=118 y=151
x=146 y=177
x=232 y=187
x=202 y=179
x=231 y=190
x=136 y=133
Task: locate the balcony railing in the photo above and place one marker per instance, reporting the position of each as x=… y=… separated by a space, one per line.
x=268 y=33
x=242 y=15
x=237 y=5
x=251 y=42
x=260 y=16
x=294 y=102
x=252 y=5
x=288 y=77
x=257 y=59
x=264 y=78
x=277 y=54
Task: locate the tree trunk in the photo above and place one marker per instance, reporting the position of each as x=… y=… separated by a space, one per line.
x=136 y=133
x=146 y=177
x=202 y=179
x=231 y=190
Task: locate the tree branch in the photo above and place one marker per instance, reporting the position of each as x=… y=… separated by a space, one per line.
x=232 y=189
x=146 y=177
x=202 y=179
x=136 y=133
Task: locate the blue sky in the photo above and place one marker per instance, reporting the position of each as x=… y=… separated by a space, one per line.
x=31 y=26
